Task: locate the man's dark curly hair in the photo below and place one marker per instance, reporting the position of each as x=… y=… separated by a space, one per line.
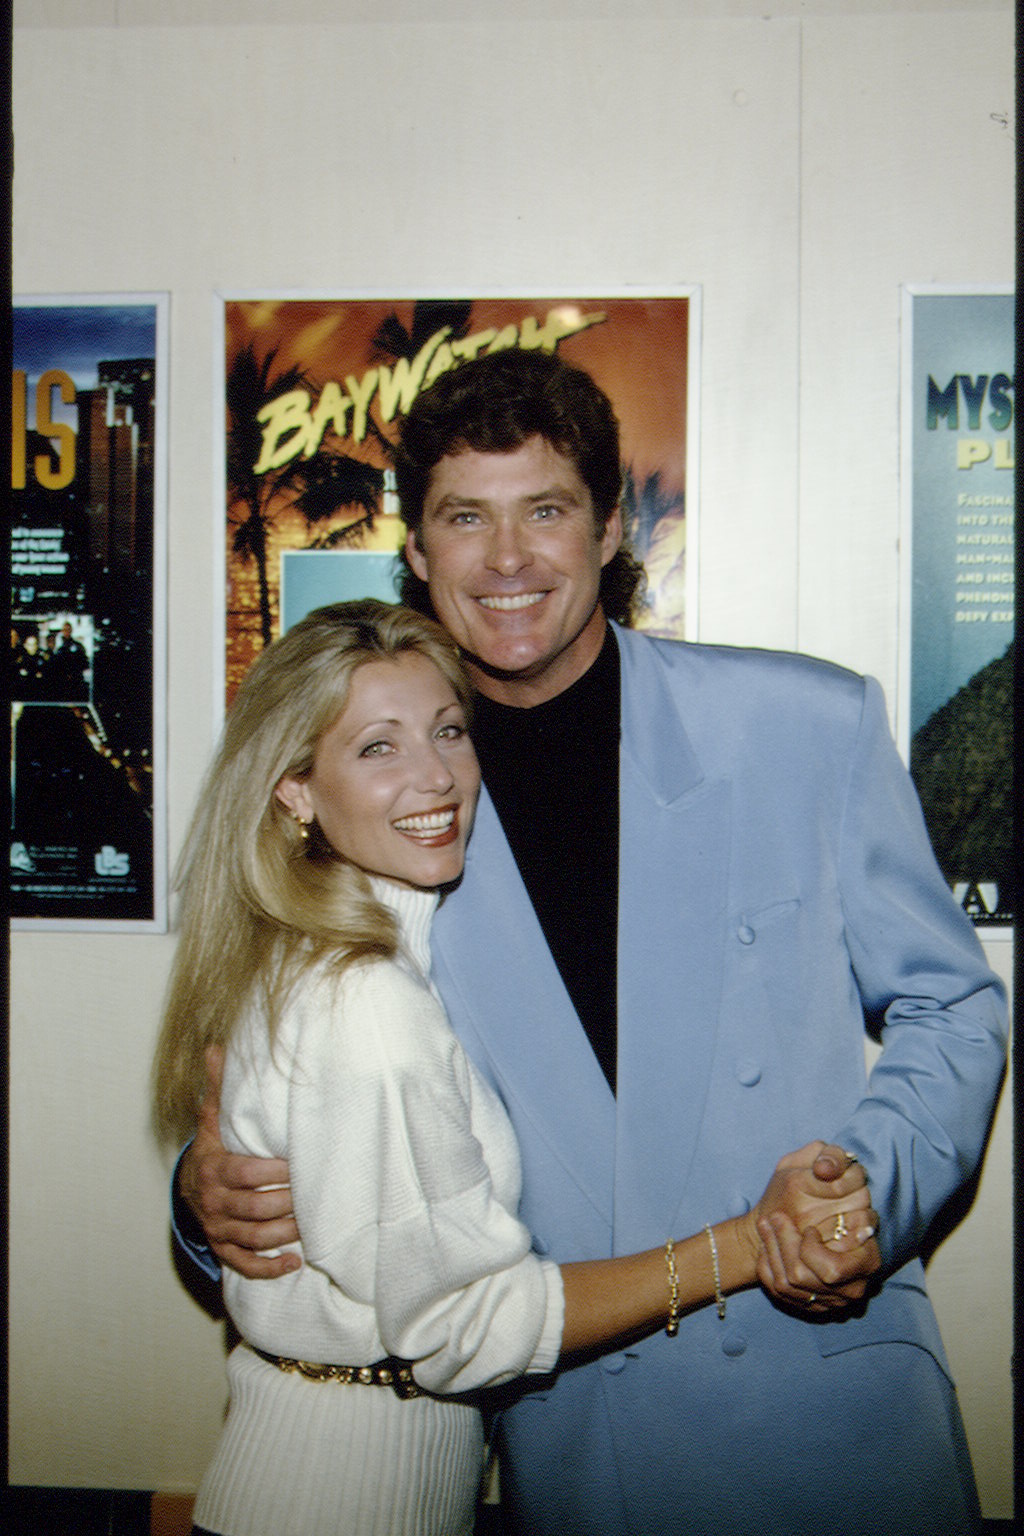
x=496 y=403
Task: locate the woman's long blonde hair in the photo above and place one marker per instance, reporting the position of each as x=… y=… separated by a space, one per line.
x=261 y=903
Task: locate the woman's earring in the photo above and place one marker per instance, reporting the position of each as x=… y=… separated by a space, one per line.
x=303 y=826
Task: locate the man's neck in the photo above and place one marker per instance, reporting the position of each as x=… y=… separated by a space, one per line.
x=524 y=690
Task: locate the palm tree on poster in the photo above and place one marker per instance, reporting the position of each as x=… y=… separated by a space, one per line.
x=319 y=485
x=316 y=486
x=250 y=384
x=330 y=480
x=394 y=343
x=654 y=518
x=644 y=506
x=393 y=340
x=334 y=480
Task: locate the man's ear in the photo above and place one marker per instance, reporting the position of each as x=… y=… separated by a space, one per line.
x=294 y=795
x=611 y=539
x=415 y=556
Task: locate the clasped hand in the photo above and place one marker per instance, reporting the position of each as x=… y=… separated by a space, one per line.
x=817 y=1231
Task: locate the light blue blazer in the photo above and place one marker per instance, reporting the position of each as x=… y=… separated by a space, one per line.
x=777 y=889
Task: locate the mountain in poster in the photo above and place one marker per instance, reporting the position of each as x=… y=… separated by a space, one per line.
x=961 y=761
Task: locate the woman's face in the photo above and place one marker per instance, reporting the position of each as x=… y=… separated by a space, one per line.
x=395 y=778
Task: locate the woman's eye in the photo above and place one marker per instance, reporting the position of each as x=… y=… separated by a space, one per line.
x=375 y=749
x=451 y=732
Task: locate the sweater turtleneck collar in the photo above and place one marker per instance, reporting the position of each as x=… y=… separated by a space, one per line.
x=414 y=910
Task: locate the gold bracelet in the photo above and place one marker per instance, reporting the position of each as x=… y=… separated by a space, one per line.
x=719 y=1298
x=672 y=1326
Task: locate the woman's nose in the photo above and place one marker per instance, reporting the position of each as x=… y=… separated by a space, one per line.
x=433 y=772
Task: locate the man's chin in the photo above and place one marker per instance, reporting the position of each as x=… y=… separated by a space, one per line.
x=505 y=669
x=529 y=663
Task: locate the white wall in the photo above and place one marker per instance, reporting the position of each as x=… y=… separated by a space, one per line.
x=799 y=166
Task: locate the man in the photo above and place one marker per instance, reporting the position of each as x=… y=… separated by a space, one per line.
x=712 y=861
x=69 y=662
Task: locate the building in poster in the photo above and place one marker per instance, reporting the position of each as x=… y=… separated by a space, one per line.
x=959 y=592
x=87 y=843
x=315 y=391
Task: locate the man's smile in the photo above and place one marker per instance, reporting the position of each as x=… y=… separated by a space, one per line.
x=510 y=604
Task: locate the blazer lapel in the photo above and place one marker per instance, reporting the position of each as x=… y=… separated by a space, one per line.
x=510 y=1008
x=674 y=855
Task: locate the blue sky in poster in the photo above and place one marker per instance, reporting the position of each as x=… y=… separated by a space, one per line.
x=80 y=335
x=312 y=577
x=962 y=600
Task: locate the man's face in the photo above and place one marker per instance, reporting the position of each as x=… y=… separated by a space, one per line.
x=510 y=553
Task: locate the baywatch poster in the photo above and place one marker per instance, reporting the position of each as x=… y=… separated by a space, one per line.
x=315 y=391
x=958 y=596
x=87 y=663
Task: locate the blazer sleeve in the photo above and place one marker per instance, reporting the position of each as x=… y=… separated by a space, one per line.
x=394 y=1197
x=188 y=1235
x=921 y=1126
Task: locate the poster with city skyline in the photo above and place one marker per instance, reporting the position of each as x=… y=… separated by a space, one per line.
x=87 y=553
x=315 y=389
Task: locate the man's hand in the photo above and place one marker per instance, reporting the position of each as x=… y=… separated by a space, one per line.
x=826 y=1263
x=244 y=1204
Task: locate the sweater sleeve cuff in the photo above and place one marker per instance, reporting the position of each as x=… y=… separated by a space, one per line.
x=549 y=1346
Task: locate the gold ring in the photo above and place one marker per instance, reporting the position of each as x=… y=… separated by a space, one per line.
x=840 y=1228
x=812 y=1298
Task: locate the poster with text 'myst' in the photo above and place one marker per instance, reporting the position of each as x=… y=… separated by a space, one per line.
x=956 y=696
x=87 y=666
x=316 y=389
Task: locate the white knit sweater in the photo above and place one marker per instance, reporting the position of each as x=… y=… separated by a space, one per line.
x=405 y=1179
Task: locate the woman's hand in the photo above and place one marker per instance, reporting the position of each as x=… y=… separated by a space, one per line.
x=817 y=1231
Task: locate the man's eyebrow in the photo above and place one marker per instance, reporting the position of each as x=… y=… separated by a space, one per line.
x=453 y=499
x=552 y=493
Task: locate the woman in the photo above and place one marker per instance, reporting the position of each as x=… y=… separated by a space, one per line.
x=336 y=811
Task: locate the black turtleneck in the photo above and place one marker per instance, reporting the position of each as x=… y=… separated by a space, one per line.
x=553 y=773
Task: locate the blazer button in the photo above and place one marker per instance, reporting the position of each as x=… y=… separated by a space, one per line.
x=748 y=1071
x=745 y=934
x=734 y=1345
x=613 y=1364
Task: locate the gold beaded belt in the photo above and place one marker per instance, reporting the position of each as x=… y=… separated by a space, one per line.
x=392 y=1373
